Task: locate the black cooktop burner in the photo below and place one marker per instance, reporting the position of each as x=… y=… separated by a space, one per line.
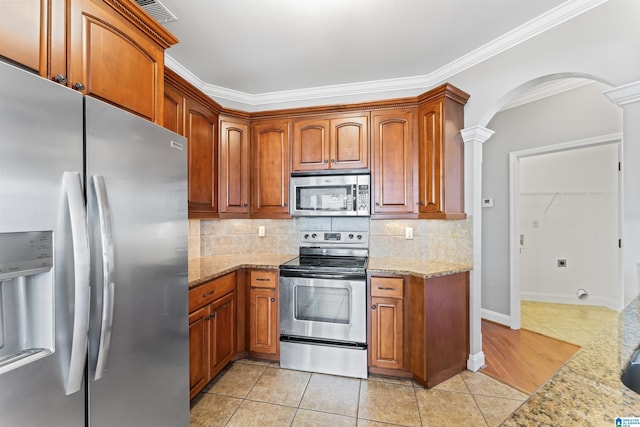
x=341 y=263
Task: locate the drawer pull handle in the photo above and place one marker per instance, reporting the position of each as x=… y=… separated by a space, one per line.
x=273 y=300
x=262 y=279
x=208 y=294
x=386 y=289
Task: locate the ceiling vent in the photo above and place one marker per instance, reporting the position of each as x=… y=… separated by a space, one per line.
x=157 y=10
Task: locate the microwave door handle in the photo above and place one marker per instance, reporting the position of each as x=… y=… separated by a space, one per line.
x=108 y=285
x=81 y=260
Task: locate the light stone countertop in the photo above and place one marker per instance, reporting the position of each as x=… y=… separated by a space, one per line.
x=587 y=390
x=204 y=269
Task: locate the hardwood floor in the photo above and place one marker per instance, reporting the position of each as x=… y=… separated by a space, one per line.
x=520 y=358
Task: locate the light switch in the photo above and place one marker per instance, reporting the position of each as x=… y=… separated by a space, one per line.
x=261 y=231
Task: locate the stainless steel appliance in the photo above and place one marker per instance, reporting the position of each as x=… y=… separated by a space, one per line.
x=323 y=315
x=330 y=194
x=93 y=262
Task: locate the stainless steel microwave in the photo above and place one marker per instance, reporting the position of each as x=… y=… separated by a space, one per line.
x=323 y=194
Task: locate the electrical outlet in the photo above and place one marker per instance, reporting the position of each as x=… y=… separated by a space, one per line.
x=408 y=233
x=261 y=231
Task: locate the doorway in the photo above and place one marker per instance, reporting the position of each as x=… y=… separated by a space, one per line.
x=564 y=225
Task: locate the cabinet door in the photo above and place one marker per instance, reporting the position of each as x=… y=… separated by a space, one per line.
x=430 y=189
x=23 y=31
x=233 y=184
x=223 y=332
x=349 y=143
x=173 y=109
x=200 y=129
x=393 y=158
x=310 y=148
x=198 y=350
x=263 y=320
x=113 y=60
x=270 y=169
x=386 y=333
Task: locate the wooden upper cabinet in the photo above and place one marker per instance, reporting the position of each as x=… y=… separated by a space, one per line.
x=109 y=49
x=270 y=168
x=173 y=109
x=233 y=184
x=393 y=160
x=201 y=127
x=331 y=142
x=441 y=154
x=23 y=31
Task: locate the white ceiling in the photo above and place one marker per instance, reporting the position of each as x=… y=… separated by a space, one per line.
x=264 y=51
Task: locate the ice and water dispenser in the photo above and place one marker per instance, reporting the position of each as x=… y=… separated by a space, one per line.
x=27 y=327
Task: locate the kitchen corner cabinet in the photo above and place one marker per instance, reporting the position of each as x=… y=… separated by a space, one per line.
x=441 y=154
x=392 y=171
x=212 y=329
x=438 y=336
x=331 y=142
x=233 y=184
x=190 y=113
x=386 y=322
x=270 y=139
x=111 y=50
x=264 y=330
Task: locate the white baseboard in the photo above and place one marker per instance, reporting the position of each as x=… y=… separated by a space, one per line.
x=475 y=362
x=569 y=299
x=496 y=317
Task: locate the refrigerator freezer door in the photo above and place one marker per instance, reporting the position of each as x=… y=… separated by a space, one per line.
x=137 y=172
x=41 y=138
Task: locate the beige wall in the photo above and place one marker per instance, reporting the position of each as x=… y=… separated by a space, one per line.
x=448 y=241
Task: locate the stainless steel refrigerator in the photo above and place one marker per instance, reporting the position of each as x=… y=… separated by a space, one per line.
x=93 y=262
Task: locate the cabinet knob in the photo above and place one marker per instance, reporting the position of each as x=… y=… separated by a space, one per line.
x=326 y=161
x=373 y=307
x=78 y=86
x=245 y=205
x=333 y=160
x=377 y=203
x=421 y=203
x=273 y=300
x=208 y=294
x=60 y=79
x=208 y=317
x=285 y=204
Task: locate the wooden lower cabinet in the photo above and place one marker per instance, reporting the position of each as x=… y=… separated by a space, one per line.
x=419 y=327
x=264 y=330
x=212 y=330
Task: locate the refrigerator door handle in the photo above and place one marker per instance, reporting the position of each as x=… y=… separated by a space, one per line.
x=81 y=261
x=108 y=286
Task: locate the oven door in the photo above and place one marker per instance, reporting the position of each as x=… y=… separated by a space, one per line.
x=332 y=309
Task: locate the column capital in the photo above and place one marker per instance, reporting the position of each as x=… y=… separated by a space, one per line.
x=476 y=134
x=625 y=94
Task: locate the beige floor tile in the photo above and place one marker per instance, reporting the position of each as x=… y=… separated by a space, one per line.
x=481 y=384
x=261 y=414
x=455 y=383
x=236 y=381
x=446 y=408
x=368 y=423
x=305 y=418
x=212 y=410
x=391 y=380
x=495 y=410
x=328 y=393
x=386 y=402
x=280 y=386
x=255 y=362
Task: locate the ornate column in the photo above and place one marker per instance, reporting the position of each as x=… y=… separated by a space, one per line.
x=473 y=138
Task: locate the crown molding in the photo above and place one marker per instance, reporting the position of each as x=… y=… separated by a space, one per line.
x=626 y=94
x=548 y=20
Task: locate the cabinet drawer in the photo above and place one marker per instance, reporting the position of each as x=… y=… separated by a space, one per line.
x=390 y=287
x=263 y=279
x=211 y=291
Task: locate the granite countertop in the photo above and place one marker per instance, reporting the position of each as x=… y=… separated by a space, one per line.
x=203 y=269
x=587 y=390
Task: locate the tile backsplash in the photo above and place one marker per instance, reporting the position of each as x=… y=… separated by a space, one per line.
x=433 y=240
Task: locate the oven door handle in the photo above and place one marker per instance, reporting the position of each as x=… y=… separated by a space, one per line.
x=328 y=276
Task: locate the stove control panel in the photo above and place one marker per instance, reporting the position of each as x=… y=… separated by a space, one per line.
x=359 y=238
